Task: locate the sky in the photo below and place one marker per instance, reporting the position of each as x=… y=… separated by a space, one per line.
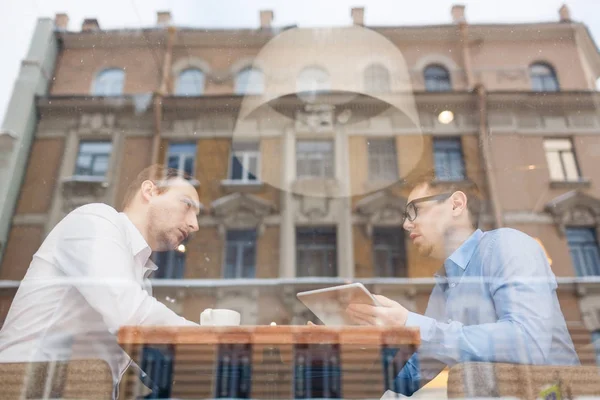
x=18 y=22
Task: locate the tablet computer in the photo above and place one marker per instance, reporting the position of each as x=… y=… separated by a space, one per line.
x=329 y=304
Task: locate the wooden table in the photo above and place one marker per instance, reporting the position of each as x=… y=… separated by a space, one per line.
x=263 y=362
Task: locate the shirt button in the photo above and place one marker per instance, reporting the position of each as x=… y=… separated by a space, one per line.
x=452 y=284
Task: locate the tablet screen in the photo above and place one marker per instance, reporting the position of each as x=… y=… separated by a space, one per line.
x=329 y=304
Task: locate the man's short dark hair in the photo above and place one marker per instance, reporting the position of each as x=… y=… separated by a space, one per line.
x=157 y=173
x=436 y=186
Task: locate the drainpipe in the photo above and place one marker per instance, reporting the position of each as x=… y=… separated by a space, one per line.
x=485 y=140
x=162 y=91
x=466 y=54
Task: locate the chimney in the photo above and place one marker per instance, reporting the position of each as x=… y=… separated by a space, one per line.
x=61 y=21
x=163 y=18
x=90 y=25
x=564 y=13
x=458 y=14
x=358 y=16
x=266 y=18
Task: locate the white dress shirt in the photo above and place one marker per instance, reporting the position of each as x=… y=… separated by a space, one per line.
x=89 y=277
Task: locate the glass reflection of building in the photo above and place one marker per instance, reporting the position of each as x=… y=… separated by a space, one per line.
x=299 y=158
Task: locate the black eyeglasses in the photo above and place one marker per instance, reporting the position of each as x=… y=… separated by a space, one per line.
x=410 y=213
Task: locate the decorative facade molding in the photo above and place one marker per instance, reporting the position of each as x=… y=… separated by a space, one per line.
x=382 y=208
x=241 y=211
x=575 y=208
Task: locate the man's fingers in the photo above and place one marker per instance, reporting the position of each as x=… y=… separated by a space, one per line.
x=384 y=301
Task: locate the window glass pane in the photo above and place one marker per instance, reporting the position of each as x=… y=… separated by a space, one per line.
x=240 y=257
x=555 y=166
x=437 y=79
x=189 y=165
x=249 y=81
x=570 y=166
x=190 y=83
x=231 y=260
x=377 y=79
x=93 y=158
x=252 y=167
x=583 y=246
x=182 y=156
x=316 y=252
x=100 y=165
x=543 y=78
x=236 y=168
x=173 y=161
x=109 y=83
x=382 y=159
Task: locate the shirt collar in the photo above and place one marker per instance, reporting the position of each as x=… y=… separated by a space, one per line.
x=460 y=257
x=456 y=264
x=139 y=246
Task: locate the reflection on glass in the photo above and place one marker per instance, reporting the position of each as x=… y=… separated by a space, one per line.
x=448 y=158
x=92 y=159
x=181 y=156
x=437 y=79
x=190 y=83
x=109 y=82
x=316 y=252
x=240 y=254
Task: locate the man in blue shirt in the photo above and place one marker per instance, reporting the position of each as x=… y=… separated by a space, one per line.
x=494 y=299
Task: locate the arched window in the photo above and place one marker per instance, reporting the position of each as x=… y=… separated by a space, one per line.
x=437 y=79
x=190 y=82
x=250 y=81
x=377 y=79
x=543 y=78
x=109 y=82
x=313 y=79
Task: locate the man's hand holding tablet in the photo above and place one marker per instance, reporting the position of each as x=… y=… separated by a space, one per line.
x=387 y=313
x=330 y=304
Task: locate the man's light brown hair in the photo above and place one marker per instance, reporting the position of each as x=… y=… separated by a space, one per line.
x=435 y=186
x=157 y=173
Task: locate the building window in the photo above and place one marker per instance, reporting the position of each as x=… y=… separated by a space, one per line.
x=314 y=158
x=240 y=254
x=543 y=78
x=190 y=83
x=316 y=253
x=109 y=82
x=388 y=252
x=448 y=157
x=157 y=363
x=317 y=372
x=561 y=160
x=313 y=79
x=181 y=157
x=171 y=264
x=383 y=160
x=234 y=371
x=250 y=81
x=437 y=79
x=377 y=79
x=244 y=165
x=583 y=246
x=596 y=344
x=92 y=159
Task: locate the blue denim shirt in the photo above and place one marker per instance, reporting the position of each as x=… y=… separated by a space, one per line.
x=494 y=301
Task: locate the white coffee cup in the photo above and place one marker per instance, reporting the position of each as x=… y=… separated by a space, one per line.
x=219 y=317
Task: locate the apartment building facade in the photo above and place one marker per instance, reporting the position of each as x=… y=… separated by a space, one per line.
x=300 y=141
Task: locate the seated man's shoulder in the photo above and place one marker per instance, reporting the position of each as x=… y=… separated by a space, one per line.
x=93 y=213
x=509 y=235
x=100 y=209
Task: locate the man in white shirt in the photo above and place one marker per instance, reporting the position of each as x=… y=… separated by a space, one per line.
x=90 y=275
